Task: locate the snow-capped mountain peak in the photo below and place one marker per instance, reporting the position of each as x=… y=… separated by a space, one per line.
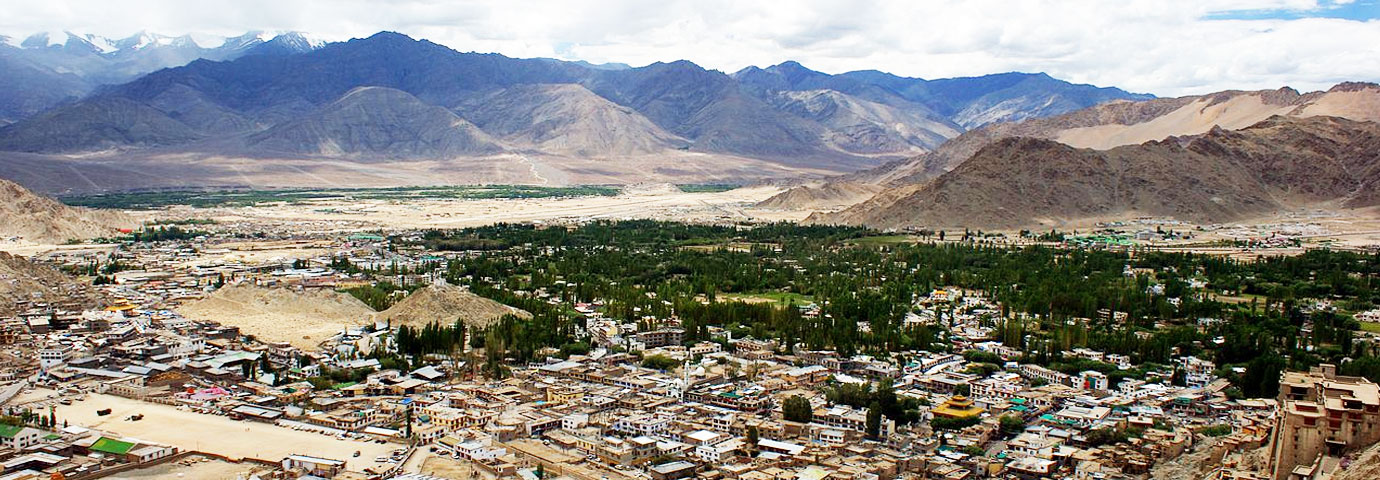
x=207 y=46
x=102 y=44
x=45 y=39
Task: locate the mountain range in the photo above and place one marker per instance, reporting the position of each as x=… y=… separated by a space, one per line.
x=868 y=147
x=1210 y=158
x=334 y=114
x=46 y=69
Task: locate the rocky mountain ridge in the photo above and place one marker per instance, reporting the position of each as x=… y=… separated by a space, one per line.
x=255 y=108
x=1219 y=176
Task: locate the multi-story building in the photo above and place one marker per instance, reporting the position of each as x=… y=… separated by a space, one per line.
x=53 y=356
x=1094 y=380
x=1197 y=372
x=1033 y=372
x=1001 y=386
x=1322 y=414
x=661 y=337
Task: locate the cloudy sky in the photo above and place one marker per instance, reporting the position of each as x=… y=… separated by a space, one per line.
x=1165 y=47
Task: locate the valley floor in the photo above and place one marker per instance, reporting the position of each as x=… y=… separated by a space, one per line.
x=656 y=202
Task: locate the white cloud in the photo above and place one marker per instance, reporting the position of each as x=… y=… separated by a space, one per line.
x=1162 y=47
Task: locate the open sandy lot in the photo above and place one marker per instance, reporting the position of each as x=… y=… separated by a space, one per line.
x=217 y=434
x=191 y=468
x=446 y=467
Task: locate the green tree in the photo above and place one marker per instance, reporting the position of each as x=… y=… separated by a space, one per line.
x=1262 y=376
x=797 y=409
x=945 y=423
x=1106 y=436
x=1012 y=424
x=753 y=436
x=659 y=362
x=874 y=420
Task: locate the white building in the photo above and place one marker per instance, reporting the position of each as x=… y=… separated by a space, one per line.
x=53 y=356
x=1197 y=372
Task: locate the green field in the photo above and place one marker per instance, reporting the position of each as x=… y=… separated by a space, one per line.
x=706 y=187
x=1371 y=327
x=778 y=298
x=241 y=198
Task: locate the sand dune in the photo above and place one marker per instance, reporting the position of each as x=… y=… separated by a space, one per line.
x=303 y=318
x=1193 y=119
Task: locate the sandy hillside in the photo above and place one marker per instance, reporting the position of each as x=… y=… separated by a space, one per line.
x=443 y=304
x=1192 y=119
x=822 y=196
x=1356 y=101
x=38 y=219
x=1353 y=101
x=1366 y=465
x=302 y=318
x=21 y=279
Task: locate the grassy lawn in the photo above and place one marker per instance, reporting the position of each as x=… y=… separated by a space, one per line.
x=1371 y=327
x=1240 y=298
x=779 y=298
x=706 y=187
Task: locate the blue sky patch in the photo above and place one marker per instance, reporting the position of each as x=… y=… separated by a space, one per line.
x=1359 y=10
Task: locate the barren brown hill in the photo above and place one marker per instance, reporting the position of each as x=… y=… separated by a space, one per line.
x=303 y=318
x=1365 y=466
x=24 y=280
x=443 y=304
x=378 y=122
x=568 y=120
x=822 y=196
x=1122 y=122
x=1218 y=176
x=39 y=219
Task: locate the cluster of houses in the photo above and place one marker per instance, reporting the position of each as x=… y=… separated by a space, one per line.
x=718 y=413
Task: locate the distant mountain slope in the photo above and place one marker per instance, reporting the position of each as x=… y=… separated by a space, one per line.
x=97 y=124
x=275 y=102
x=932 y=111
x=38 y=219
x=1128 y=123
x=30 y=89
x=1218 y=176
x=47 y=69
x=1005 y=97
x=716 y=115
x=1119 y=123
x=566 y=119
x=866 y=127
x=378 y=121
